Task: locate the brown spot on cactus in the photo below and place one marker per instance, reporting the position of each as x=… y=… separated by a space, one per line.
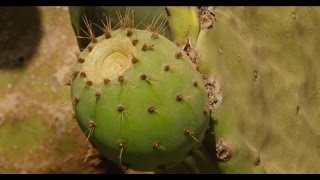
x=135 y=42
x=98 y=95
x=90 y=48
x=166 y=67
x=134 y=60
x=255 y=75
x=83 y=75
x=81 y=60
x=195 y=83
x=179 y=97
x=106 y=81
x=147 y=47
x=154 y=36
x=121 y=108
x=89 y=83
x=151 y=109
x=157 y=146
x=178 y=55
x=121 y=79
x=224 y=150
x=143 y=76
x=129 y=32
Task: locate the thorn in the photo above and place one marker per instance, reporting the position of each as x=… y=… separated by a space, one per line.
x=189 y=132
x=157 y=146
x=146 y=47
x=121 y=144
x=89 y=153
x=179 y=97
x=166 y=67
x=92 y=125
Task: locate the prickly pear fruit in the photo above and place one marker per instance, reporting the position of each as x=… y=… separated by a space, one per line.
x=139 y=99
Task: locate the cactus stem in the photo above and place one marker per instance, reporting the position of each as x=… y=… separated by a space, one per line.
x=92 y=125
x=106 y=81
x=166 y=67
x=147 y=47
x=121 y=145
x=190 y=133
x=134 y=60
x=158 y=146
x=178 y=55
x=135 y=42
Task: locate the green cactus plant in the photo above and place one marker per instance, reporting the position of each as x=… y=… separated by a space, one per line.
x=139 y=98
x=266 y=61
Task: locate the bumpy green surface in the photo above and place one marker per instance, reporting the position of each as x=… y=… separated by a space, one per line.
x=138 y=128
x=267 y=61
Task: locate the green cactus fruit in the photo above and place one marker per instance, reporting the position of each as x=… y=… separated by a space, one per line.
x=139 y=99
x=266 y=59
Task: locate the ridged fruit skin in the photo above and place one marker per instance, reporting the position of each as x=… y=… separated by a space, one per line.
x=142 y=99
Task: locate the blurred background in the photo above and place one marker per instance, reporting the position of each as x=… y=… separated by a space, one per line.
x=37 y=131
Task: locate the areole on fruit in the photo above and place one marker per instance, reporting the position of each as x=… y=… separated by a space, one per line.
x=135 y=98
